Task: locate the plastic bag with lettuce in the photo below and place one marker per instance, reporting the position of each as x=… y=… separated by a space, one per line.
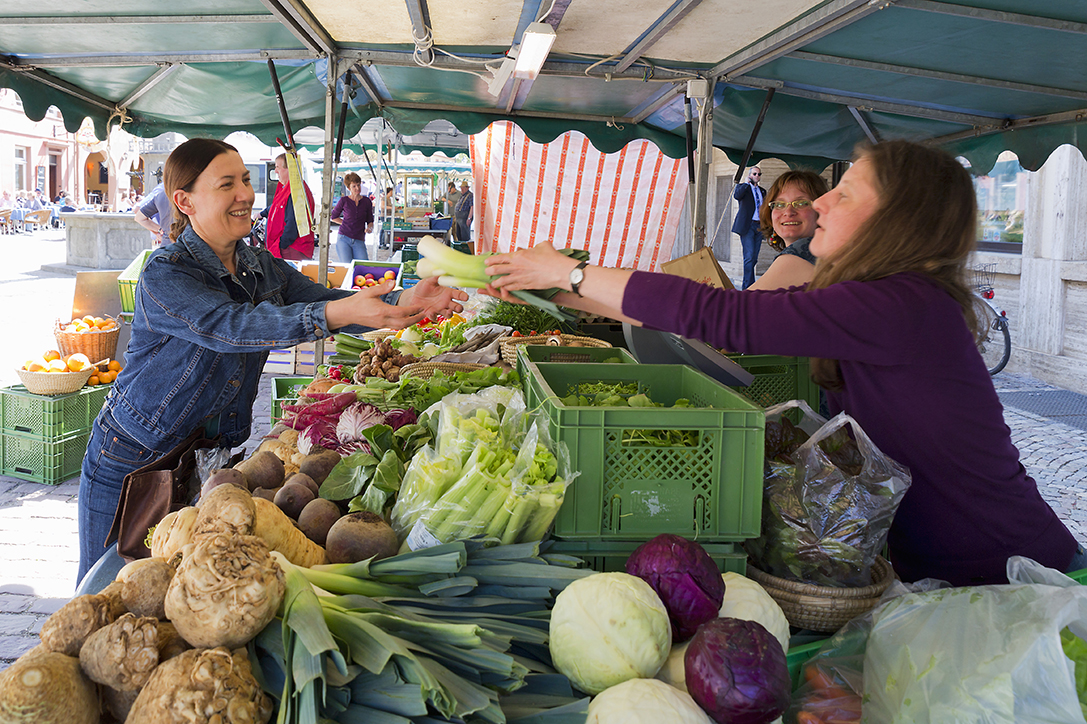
x=829 y=497
x=491 y=471
x=983 y=654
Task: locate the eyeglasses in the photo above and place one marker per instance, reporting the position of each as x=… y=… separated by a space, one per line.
x=799 y=204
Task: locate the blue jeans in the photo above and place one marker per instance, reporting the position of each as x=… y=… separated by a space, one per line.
x=111 y=455
x=751 y=242
x=1079 y=559
x=348 y=249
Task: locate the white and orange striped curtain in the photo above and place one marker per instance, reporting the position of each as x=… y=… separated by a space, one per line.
x=624 y=207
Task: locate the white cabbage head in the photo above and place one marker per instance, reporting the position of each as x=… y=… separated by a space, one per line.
x=645 y=701
x=609 y=628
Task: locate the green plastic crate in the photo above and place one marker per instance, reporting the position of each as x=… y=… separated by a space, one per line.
x=50 y=417
x=711 y=492
x=549 y=354
x=281 y=386
x=777 y=379
x=39 y=461
x=608 y=556
x=797 y=657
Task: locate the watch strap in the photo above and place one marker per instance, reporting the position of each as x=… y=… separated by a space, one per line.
x=575 y=287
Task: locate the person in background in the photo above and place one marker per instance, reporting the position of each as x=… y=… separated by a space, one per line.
x=788 y=221
x=6 y=202
x=66 y=203
x=283 y=237
x=156 y=214
x=355 y=215
x=463 y=212
x=889 y=320
x=208 y=310
x=452 y=196
x=34 y=201
x=750 y=195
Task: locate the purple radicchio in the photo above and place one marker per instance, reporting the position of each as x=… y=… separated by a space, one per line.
x=355 y=420
x=319 y=434
x=396 y=419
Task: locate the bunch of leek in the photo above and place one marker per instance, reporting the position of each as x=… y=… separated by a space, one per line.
x=456 y=269
x=454 y=633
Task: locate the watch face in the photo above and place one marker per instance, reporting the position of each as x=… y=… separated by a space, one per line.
x=577 y=275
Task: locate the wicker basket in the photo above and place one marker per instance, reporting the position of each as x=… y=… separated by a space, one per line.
x=509 y=345
x=376 y=335
x=426 y=370
x=97 y=344
x=55 y=383
x=824 y=608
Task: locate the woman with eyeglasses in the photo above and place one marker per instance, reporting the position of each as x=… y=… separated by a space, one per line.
x=788 y=221
x=890 y=324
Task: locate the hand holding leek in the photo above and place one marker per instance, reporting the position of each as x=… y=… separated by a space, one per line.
x=533 y=286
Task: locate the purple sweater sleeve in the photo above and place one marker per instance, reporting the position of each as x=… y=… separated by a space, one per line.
x=914 y=381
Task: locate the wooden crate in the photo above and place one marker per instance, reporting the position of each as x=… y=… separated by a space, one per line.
x=297 y=360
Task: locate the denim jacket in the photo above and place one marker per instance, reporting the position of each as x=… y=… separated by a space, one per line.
x=201 y=335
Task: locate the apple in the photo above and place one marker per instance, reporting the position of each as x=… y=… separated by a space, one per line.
x=359 y=279
x=370 y=277
x=390 y=274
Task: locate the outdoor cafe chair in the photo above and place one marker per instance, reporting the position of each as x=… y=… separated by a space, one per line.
x=6 y=225
x=40 y=218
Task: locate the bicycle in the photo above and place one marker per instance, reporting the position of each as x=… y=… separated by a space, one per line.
x=995 y=337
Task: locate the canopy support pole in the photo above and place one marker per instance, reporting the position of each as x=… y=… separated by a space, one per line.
x=754 y=135
x=282 y=106
x=328 y=178
x=702 y=168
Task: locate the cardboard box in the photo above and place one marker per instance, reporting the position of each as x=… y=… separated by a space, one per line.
x=336 y=273
x=700 y=266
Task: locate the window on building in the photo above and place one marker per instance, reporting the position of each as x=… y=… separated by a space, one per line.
x=22 y=153
x=1002 y=204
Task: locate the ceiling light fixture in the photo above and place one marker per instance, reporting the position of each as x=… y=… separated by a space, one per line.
x=536 y=43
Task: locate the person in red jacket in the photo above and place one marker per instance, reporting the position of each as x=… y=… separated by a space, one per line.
x=283 y=237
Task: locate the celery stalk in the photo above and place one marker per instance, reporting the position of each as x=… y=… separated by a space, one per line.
x=447 y=280
x=522 y=509
x=467 y=266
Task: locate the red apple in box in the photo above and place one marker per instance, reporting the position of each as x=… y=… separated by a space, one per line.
x=359 y=279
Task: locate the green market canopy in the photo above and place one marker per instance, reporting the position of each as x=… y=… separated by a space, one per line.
x=975 y=77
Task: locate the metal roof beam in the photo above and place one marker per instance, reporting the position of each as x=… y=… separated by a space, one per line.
x=135 y=19
x=656 y=31
x=105 y=61
x=302 y=25
x=824 y=20
x=154 y=79
x=359 y=71
x=514 y=88
x=63 y=86
x=550 y=68
x=939 y=75
x=419 y=15
x=902 y=109
x=996 y=16
x=653 y=105
x=501 y=112
x=1013 y=125
x=870 y=132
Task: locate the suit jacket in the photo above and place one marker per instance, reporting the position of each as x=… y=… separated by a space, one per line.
x=745 y=216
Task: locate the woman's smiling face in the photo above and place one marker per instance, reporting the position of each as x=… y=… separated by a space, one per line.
x=220 y=204
x=791 y=223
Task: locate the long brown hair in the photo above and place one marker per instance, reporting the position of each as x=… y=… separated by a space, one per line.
x=183 y=167
x=924 y=223
x=809 y=182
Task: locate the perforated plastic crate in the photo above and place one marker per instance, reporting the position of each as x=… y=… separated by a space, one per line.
x=33 y=459
x=126 y=281
x=50 y=418
x=608 y=556
x=632 y=490
x=281 y=386
x=777 y=379
x=547 y=354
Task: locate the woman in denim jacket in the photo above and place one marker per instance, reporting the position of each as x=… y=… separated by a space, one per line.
x=208 y=310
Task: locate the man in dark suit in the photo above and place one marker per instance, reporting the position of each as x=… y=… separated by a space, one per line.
x=750 y=195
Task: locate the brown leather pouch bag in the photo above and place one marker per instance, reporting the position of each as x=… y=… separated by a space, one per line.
x=147 y=495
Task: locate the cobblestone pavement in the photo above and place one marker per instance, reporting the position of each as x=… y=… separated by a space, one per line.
x=38 y=543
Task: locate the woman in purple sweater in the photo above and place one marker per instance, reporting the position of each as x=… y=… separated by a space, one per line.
x=889 y=322
x=355 y=215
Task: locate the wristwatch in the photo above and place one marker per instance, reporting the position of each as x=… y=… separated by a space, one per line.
x=577 y=276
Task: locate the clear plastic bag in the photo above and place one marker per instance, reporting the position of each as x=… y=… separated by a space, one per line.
x=492 y=471
x=828 y=501
x=974 y=655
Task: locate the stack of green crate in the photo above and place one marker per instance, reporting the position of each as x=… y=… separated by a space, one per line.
x=777 y=379
x=43 y=438
x=629 y=492
x=281 y=386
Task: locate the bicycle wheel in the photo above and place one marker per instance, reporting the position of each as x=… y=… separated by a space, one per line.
x=995 y=343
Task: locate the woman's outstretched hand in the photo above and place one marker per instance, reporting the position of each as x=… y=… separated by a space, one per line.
x=433 y=298
x=366 y=307
x=539 y=267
